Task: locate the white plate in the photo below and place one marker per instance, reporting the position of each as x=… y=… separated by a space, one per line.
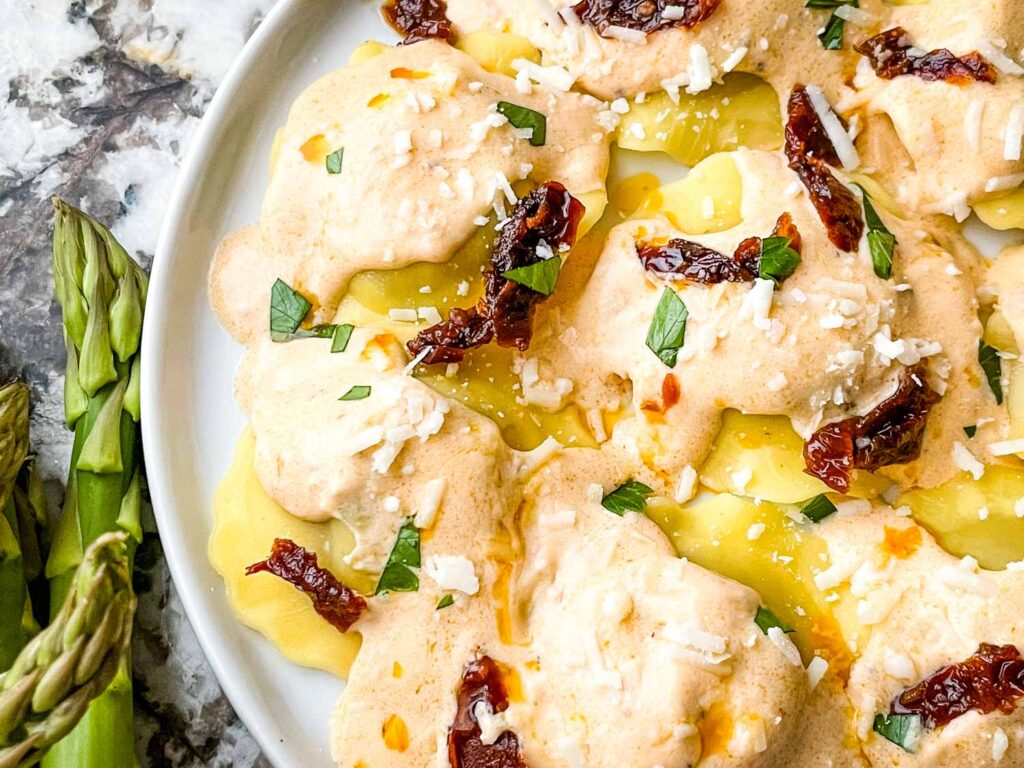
x=192 y=420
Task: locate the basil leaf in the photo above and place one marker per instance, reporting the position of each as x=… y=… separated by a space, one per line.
x=818 y=508
x=824 y=3
x=524 y=117
x=444 y=602
x=405 y=555
x=766 y=619
x=333 y=160
x=989 y=360
x=340 y=337
x=881 y=242
x=288 y=308
x=902 y=730
x=831 y=36
x=667 y=332
x=778 y=261
x=881 y=245
x=358 y=392
x=631 y=496
x=971 y=431
x=541 y=276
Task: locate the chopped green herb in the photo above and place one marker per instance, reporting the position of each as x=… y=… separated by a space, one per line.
x=818 y=508
x=288 y=307
x=340 y=337
x=667 y=332
x=333 y=160
x=358 y=392
x=902 y=730
x=524 y=117
x=778 y=261
x=445 y=601
x=971 y=431
x=881 y=242
x=397 y=575
x=988 y=357
x=766 y=619
x=541 y=276
x=631 y=496
x=831 y=36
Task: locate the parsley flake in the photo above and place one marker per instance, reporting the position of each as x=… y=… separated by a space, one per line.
x=398 y=575
x=989 y=360
x=881 y=242
x=765 y=619
x=288 y=308
x=524 y=117
x=631 y=496
x=358 y=392
x=818 y=508
x=902 y=730
x=831 y=36
x=778 y=261
x=333 y=160
x=667 y=332
x=445 y=602
x=971 y=430
x=340 y=337
x=541 y=276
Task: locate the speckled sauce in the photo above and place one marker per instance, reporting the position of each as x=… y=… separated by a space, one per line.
x=634 y=632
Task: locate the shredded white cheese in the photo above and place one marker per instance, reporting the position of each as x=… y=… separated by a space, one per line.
x=452 y=572
x=1013 y=134
x=840 y=139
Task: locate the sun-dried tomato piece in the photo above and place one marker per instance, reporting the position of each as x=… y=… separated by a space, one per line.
x=335 y=602
x=481 y=684
x=681 y=259
x=644 y=15
x=809 y=149
x=784 y=227
x=550 y=215
x=805 y=134
x=419 y=19
x=448 y=342
x=891 y=55
x=991 y=679
x=890 y=433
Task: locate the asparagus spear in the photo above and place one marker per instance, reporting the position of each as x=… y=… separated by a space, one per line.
x=102 y=294
x=16 y=624
x=72 y=661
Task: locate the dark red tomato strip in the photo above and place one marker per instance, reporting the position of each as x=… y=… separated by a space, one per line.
x=809 y=149
x=889 y=54
x=505 y=313
x=685 y=260
x=335 y=602
x=644 y=15
x=419 y=20
x=991 y=679
x=481 y=682
x=890 y=434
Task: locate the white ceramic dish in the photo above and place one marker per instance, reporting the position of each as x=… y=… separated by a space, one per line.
x=191 y=420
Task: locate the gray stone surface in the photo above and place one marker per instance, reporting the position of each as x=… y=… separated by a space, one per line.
x=98 y=100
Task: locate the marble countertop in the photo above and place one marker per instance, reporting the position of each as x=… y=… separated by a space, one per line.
x=98 y=102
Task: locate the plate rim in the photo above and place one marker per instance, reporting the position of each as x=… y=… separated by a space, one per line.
x=255 y=718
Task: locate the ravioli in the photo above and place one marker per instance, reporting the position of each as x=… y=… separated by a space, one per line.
x=564 y=428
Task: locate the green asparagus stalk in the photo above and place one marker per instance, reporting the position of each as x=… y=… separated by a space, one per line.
x=71 y=662
x=102 y=293
x=16 y=624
